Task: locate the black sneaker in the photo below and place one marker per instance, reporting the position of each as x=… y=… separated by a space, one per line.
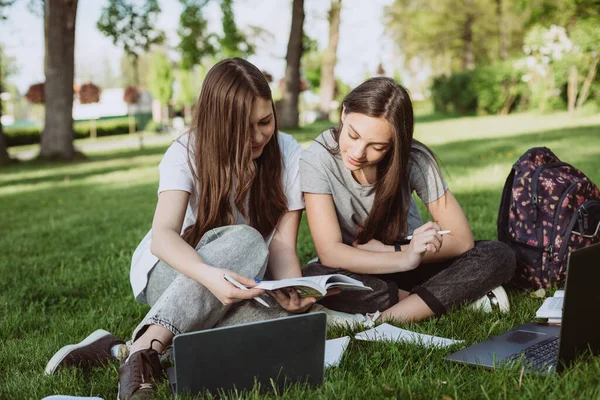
x=139 y=374
x=91 y=352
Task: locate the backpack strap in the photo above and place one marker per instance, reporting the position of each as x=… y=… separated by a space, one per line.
x=503 y=211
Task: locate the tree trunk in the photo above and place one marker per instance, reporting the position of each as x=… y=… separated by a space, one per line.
x=289 y=114
x=502 y=45
x=468 y=55
x=572 y=85
x=59 y=24
x=327 y=89
x=4 y=157
x=585 y=89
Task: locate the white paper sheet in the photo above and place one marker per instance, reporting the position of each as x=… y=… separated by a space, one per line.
x=334 y=350
x=390 y=333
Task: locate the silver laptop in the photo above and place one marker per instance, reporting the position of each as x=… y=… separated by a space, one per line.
x=272 y=353
x=543 y=348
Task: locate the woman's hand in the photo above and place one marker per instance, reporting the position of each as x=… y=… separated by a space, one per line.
x=226 y=292
x=425 y=239
x=373 y=245
x=289 y=300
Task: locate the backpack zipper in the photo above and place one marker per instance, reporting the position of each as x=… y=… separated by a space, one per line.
x=557 y=214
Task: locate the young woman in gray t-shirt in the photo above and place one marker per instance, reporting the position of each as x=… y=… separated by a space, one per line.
x=357 y=181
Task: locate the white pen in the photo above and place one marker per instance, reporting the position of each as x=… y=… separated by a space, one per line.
x=238 y=285
x=409 y=237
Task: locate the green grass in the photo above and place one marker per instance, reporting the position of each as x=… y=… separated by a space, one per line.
x=68 y=232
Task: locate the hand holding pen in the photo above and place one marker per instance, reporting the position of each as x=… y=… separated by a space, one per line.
x=225 y=291
x=238 y=285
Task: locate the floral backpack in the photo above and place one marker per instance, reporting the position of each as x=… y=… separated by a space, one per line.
x=548 y=209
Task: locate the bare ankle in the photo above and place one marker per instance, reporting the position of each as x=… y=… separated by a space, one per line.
x=155 y=337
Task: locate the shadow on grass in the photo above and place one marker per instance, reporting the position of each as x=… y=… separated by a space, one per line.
x=61 y=175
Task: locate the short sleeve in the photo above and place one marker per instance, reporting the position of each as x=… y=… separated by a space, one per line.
x=425 y=176
x=291 y=152
x=174 y=169
x=312 y=176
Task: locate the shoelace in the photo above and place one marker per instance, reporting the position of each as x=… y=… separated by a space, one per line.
x=144 y=372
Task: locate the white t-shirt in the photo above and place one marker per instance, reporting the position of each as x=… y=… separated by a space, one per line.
x=175 y=174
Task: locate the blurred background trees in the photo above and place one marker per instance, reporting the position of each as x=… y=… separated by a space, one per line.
x=464 y=56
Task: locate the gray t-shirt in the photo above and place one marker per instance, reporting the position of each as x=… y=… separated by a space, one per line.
x=323 y=173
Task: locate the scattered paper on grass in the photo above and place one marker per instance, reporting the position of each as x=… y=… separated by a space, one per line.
x=390 y=333
x=334 y=350
x=539 y=294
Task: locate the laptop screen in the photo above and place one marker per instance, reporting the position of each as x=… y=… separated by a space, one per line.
x=270 y=353
x=579 y=329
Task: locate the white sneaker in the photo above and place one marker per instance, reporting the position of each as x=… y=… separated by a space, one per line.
x=495 y=299
x=338 y=318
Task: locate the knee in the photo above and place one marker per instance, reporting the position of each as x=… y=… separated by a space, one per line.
x=241 y=238
x=498 y=257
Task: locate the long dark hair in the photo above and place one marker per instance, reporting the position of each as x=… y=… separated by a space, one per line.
x=223 y=167
x=382 y=97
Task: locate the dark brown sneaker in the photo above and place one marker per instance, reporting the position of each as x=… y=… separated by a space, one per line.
x=139 y=374
x=91 y=352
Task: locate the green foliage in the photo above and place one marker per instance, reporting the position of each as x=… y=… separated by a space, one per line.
x=586 y=35
x=558 y=12
x=233 y=43
x=455 y=93
x=188 y=88
x=131 y=26
x=160 y=78
x=107 y=127
x=434 y=30
x=195 y=43
x=490 y=89
x=311 y=62
x=499 y=88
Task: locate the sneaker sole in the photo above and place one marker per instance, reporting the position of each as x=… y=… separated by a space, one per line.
x=64 y=351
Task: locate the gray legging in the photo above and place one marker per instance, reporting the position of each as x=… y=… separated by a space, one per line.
x=181 y=304
x=441 y=285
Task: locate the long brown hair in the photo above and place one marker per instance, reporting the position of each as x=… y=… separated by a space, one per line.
x=382 y=97
x=221 y=153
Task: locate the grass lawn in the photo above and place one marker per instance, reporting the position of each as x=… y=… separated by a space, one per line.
x=68 y=232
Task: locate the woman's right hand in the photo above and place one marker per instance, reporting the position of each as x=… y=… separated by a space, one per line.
x=425 y=239
x=225 y=291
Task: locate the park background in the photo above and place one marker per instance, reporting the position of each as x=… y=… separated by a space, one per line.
x=89 y=105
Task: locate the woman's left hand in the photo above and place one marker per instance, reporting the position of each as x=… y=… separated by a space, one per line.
x=373 y=245
x=290 y=301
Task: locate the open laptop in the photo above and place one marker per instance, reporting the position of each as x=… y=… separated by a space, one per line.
x=272 y=353
x=543 y=348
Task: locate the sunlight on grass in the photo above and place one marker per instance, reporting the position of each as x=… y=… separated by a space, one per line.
x=464 y=128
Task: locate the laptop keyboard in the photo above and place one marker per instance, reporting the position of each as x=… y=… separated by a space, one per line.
x=543 y=354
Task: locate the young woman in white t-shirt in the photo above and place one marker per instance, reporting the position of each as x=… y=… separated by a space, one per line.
x=357 y=182
x=229 y=203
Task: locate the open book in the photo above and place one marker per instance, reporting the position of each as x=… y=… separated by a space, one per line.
x=314 y=286
x=552 y=307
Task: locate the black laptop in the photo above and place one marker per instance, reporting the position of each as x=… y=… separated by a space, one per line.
x=543 y=348
x=271 y=353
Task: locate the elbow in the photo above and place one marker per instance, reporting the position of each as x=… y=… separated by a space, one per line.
x=155 y=244
x=326 y=258
x=468 y=244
